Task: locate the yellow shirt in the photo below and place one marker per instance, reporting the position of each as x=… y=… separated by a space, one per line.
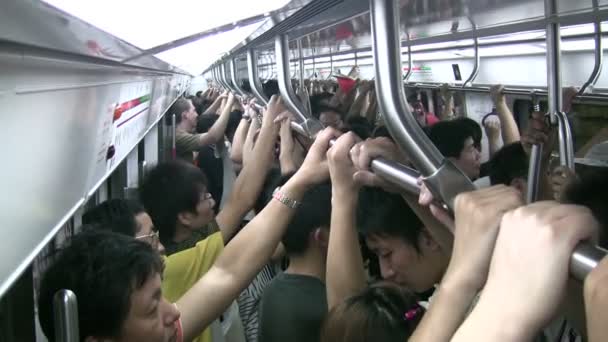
x=185 y=268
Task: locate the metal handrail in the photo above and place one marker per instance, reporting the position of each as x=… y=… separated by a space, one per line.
x=475 y=70
x=443 y=179
x=65 y=314
x=235 y=82
x=254 y=79
x=284 y=79
x=410 y=65
x=599 y=52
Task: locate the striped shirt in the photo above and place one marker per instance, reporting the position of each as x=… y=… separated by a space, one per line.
x=249 y=301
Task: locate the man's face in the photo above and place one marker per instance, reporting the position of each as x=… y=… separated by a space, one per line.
x=470 y=160
x=146 y=232
x=151 y=318
x=402 y=264
x=191 y=115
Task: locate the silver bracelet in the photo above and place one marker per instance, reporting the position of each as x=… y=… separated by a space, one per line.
x=281 y=197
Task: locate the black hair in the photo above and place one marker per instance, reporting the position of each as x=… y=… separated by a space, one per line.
x=450 y=136
x=180 y=106
x=323 y=108
x=360 y=126
x=102 y=269
x=199 y=93
x=508 y=163
x=169 y=189
x=271 y=87
x=475 y=130
x=135 y=207
x=245 y=86
x=382 y=131
x=204 y=122
x=314 y=212
x=591 y=191
x=197 y=102
x=383 y=213
x=233 y=123
x=382 y=312
x=114 y=214
x=318 y=100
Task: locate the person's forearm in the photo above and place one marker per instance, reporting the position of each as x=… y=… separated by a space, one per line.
x=236 y=153
x=238 y=264
x=216 y=132
x=446 y=313
x=493 y=146
x=488 y=322
x=214 y=106
x=345 y=272
x=249 y=183
x=448 y=109
x=509 y=130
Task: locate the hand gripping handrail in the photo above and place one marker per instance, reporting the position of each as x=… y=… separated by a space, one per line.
x=284 y=78
x=443 y=178
x=65 y=313
x=254 y=78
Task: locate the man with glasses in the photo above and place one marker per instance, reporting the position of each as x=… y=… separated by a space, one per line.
x=126 y=217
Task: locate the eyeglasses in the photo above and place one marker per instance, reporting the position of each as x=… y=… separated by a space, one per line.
x=206 y=197
x=151 y=238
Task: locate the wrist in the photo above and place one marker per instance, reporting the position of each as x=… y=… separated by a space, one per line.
x=296 y=187
x=344 y=192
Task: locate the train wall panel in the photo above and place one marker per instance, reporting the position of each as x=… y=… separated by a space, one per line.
x=59 y=122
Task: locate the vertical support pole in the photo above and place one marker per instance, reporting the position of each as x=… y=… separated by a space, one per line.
x=284 y=79
x=254 y=78
x=235 y=82
x=173 y=144
x=65 y=310
x=410 y=64
x=554 y=85
x=301 y=64
x=443 y=178
x=475 y=71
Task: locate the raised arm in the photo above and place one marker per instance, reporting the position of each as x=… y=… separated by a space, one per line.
x=251 y=249
x=596 y=302
x=249 y=183
x=447 y=96
x=345 y=275
x=236 y=153
x=528 y=272
x=215 y=105
x=287 y=162
x=478 y=216
x=216 y=132
x=510 y=132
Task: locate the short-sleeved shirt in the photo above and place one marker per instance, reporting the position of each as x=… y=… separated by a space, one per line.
x=197 y=235
x=249 y=301
x=292 y=309
x=183 y=269
x=186 y=144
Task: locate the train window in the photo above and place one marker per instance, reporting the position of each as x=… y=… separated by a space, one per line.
x=587 y=120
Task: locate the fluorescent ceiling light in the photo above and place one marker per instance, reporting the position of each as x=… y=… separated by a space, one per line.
x=197 y=56
x=146 y=24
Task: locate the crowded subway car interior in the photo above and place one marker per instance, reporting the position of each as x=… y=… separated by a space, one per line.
x=304 y=170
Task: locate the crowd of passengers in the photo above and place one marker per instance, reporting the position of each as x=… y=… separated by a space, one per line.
x=254 y=233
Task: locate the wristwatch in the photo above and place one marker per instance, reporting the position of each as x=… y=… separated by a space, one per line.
x=281 y=197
